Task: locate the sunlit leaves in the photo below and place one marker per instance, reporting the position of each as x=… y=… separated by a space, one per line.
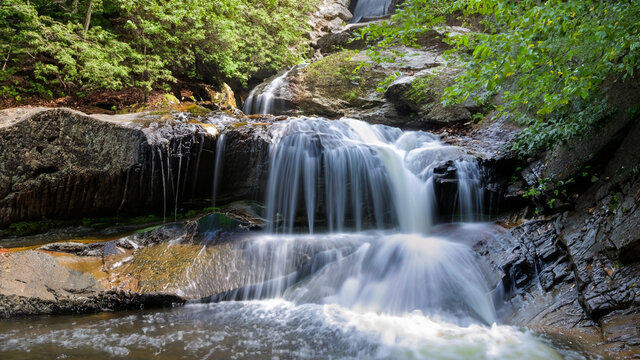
x=546 y=59
x=145 y=43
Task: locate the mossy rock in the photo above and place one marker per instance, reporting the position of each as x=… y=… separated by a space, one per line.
x=338 y=81
x=420 y=97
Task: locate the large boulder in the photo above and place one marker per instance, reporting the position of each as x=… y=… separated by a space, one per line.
x=348 y=83
x=419 y=97
x=336 y=86
x=60 y=163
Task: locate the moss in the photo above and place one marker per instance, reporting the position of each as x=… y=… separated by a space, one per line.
x=339 y=75
x=167 y=267
x=24 y=228
x=194 y=109
x=191 y=108
x=420 y=88
x=169 y=99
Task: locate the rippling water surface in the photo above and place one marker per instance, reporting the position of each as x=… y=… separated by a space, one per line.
x=267 y=329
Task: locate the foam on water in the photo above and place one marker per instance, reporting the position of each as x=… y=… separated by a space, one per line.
x=272 y=329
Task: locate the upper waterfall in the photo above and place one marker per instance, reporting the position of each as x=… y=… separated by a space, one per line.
x=265 y=100
x=371 y=9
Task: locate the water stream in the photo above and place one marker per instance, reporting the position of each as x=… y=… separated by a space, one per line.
x=354 y=265
x=266 y=100
x=370 y=9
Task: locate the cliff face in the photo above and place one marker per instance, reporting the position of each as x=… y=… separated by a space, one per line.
x=571 y=260
x=60 y=163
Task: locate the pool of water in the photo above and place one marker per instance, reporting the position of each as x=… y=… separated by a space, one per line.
x=268 y=329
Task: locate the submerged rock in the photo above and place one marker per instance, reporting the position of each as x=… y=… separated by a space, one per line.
x=161 y=267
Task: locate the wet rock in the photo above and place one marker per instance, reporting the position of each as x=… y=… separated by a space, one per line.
x=248 y=213
x=75 y=248
x=579 y=270
x=625 y=236
x=161 y=267
x=34 y=283
x=245 y=170
x=60 y=163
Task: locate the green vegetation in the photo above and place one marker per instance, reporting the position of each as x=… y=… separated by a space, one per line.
x=33 y=227
x=420 y=88
x=24 y=228
x=75 y=47
x=548 y=60
x=342 y=75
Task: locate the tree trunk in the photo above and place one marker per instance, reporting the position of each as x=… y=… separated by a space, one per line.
x=146 y=72
x=87 y=19
x=75 y=7
x=6 y=59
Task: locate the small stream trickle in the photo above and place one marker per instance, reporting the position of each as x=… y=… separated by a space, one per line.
x=218 y=166
x=267 y=100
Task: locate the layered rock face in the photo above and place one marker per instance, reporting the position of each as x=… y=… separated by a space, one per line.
x=60 y=163
x=575 y=271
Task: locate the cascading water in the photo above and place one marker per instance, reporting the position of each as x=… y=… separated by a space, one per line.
x=267 y=101
x=370 y=9
x=219 y=162
x=354 y=265
x=346 y=174
x=361 y=174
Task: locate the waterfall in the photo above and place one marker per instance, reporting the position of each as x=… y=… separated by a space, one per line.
x=267 y=101
x=356 y=203
x=470 y=193
x=361 y=176
x=370 y=9
x=219 y=163
x=355 y=265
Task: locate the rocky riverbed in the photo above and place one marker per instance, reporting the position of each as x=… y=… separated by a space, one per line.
x=572 y=272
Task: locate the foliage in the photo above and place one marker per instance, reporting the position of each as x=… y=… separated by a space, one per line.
x=73 y=47
x=24 y=228
x=547 y=59
x=412 y=19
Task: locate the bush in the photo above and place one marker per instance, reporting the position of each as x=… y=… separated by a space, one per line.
x=548 y=59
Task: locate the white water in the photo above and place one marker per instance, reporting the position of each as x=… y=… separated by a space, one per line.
x=267 y=101
x=268 y=329
x=218 y=166
x=361 y=176
x=370 y=9
x=378 y=280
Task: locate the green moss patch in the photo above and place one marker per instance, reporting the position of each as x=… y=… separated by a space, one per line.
x=339 y=75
